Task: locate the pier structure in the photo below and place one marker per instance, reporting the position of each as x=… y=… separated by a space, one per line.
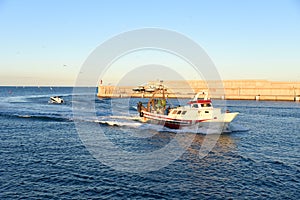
x=259 y=90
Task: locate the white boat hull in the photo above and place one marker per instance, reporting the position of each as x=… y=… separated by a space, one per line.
x=56 y=100
x=219 y=120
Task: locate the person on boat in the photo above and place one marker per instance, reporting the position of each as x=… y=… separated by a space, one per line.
x=163 y=103
x=167 y=111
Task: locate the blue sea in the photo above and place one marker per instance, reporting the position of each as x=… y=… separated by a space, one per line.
x=43 y=155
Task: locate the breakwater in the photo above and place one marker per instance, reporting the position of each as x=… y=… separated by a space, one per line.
x=227 y=89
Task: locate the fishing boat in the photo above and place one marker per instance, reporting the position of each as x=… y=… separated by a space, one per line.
x=198 y=112
x=56 y=99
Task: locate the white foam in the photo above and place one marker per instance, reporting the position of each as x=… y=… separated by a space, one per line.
x=119 y=123
x=132 y=121
x=123 y=117
x=24 y=116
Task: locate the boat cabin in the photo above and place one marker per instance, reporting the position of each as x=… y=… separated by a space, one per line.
x=194 y=109
x=200 y=104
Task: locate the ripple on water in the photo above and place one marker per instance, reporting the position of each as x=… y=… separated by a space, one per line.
x=44 y=158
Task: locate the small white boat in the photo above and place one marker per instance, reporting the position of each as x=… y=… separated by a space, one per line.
x=139 y=89
x=198 y=112
x=148 y=87
x=151 y=88
x=56 y=99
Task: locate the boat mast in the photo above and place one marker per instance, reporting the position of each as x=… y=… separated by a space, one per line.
x=159 y=90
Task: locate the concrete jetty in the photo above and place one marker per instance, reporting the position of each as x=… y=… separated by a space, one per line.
x=227 y=89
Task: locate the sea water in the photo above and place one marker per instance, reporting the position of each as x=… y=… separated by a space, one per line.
x=44 y=157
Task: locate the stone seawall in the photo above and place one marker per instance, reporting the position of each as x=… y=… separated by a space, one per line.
x=227 y=89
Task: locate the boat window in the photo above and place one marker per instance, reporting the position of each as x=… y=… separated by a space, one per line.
x=179 y=112
x=206 y=105
x=183 y=112
x=174 y=112
x=195 y=105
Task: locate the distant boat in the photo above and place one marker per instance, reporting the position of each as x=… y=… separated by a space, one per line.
x=150 y=88
x=56 y=99
x=139 y=89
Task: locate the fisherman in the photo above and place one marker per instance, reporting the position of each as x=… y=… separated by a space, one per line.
x=168 y=110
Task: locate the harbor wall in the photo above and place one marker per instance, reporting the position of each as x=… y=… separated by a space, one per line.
x=227 y=89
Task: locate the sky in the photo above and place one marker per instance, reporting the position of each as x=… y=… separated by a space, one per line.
x=47 y=42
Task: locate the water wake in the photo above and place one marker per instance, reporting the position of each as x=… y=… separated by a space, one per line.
x=132 y=121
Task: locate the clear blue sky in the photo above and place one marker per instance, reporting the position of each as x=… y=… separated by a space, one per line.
x=46 y=42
